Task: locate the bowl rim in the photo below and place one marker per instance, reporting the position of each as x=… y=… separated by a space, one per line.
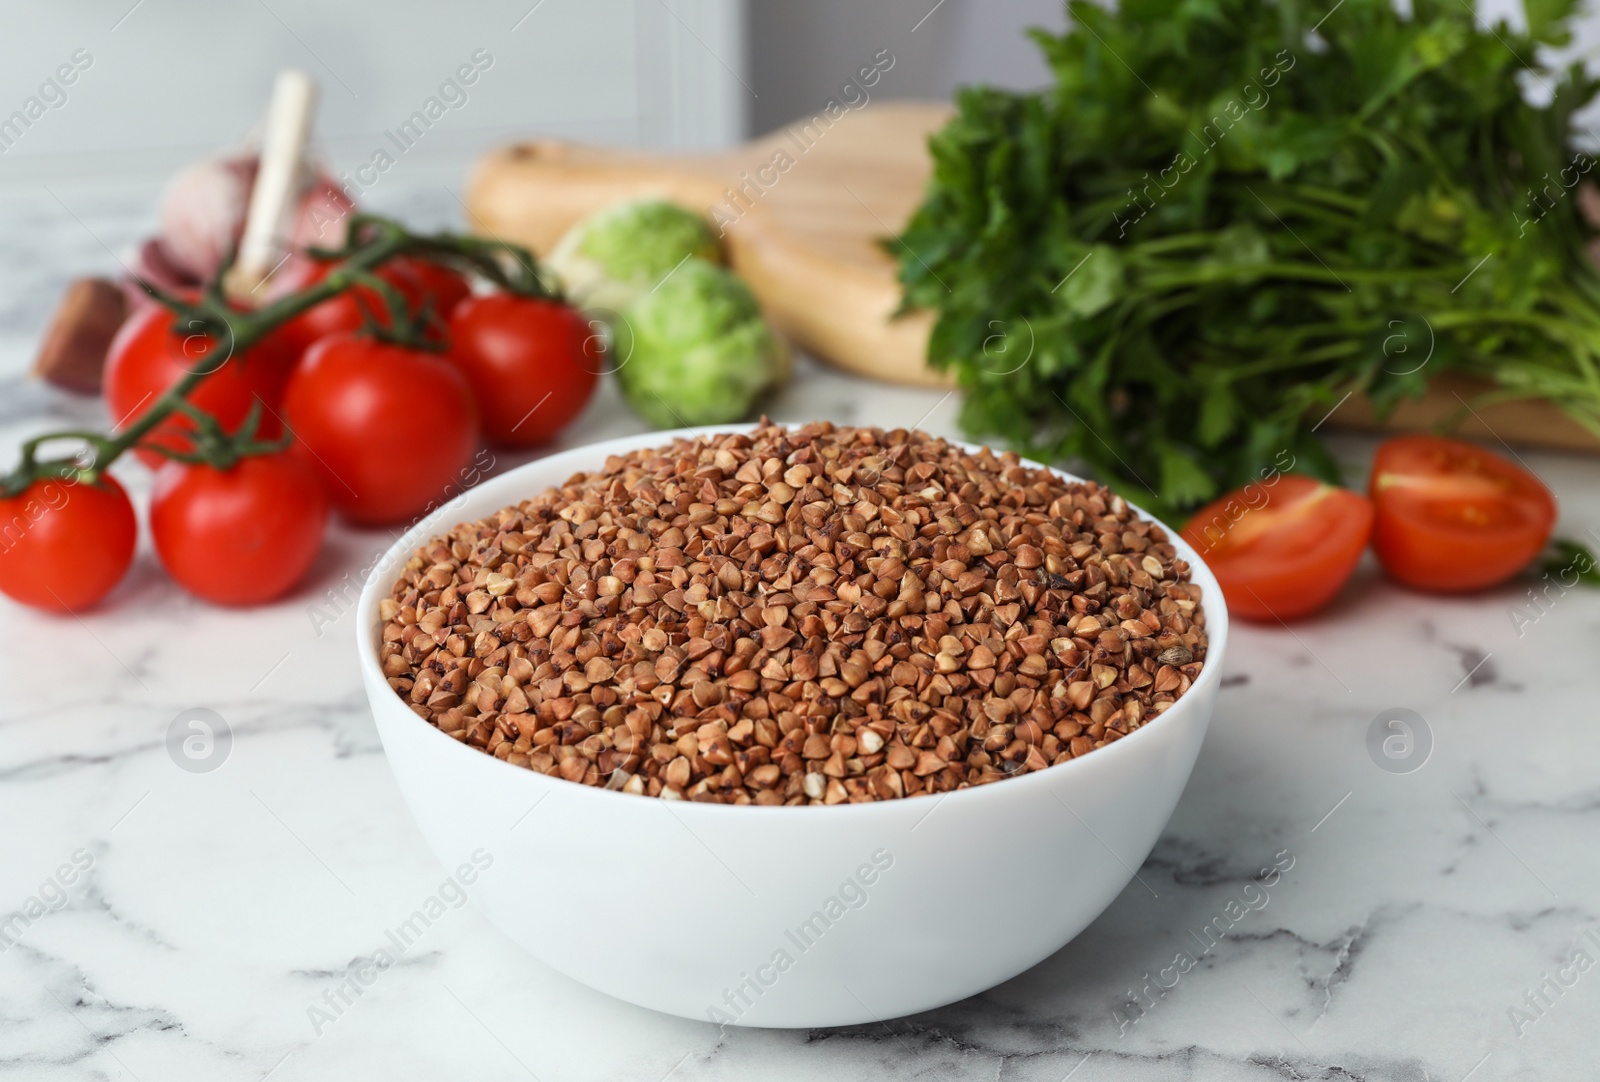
x=386 y=569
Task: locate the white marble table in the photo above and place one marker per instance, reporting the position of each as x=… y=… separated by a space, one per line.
x=208 y=912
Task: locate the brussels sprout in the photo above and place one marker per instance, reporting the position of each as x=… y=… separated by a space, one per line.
x=614 y=256
x=696 y=350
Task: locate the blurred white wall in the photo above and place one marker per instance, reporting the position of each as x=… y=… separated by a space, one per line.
x=800 y=54
x=159 y=82
x=166 y=80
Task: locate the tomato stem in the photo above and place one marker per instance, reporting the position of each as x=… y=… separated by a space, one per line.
x=401 y=326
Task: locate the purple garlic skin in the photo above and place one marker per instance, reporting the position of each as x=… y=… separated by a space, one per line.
x=203 y=211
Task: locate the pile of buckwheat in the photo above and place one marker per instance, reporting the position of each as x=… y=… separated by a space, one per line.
x=805 y=616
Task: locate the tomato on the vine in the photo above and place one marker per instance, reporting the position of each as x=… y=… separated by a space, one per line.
x=389 y=427
x=64 y=544
x=533 y=364
x=439 y=287
x=422 y=283
x=348 y=311
x=149 y=354
x=1454 y=517
x=239 y=536
x=1282 y=548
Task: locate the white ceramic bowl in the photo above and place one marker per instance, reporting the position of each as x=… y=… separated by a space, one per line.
x=795 y=917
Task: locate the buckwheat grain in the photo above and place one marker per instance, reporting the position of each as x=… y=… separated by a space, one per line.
x=791 y=616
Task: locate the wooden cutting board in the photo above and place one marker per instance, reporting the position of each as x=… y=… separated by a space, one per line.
x=802 y=213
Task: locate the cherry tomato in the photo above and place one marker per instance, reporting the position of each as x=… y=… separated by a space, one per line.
x=390 y=428
x=439 y=286
x=349 y=310
x=148 y=356
x=239 y=536
x=1282 y=548
x=533 y=364
x=64 y=545
x=1454 y=517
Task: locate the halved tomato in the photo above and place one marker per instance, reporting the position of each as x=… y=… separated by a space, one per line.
x=1284 y=547
x=1452 y=516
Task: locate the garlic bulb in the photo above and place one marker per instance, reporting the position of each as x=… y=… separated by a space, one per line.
x=203 y=212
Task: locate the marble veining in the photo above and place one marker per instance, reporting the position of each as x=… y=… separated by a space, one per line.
x=1339 y=921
